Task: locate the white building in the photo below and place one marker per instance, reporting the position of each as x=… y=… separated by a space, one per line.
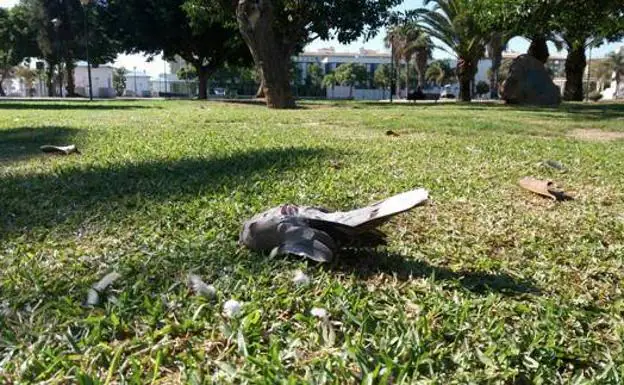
x=138 y=84
x=328 y=59
x=101 y=78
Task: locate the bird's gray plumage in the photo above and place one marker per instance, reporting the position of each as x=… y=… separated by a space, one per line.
x=317 y=233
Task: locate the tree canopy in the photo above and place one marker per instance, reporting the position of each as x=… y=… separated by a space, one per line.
x=275 y=30
x=17 y=41
x=200 y=32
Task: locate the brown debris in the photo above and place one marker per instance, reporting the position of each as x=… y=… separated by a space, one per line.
x=545 y=188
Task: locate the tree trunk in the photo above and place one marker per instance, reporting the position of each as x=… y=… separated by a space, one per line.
x=202 y=73
x=465 y=73
x=255 y=21
x=50 y=79
x=495 y=48
x=421 y=66
x=407 y=77
x=397 y=86
x=3 y=77
x=61 y=79
x=539 y=49
x=260 y=92
x=71 y=84
x=574 y=69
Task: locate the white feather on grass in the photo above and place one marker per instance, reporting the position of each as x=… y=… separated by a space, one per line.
x=93 y=296
x=200 y=287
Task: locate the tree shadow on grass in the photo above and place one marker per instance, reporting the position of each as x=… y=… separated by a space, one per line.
x=73 y=195
x=567 y=111
x=70 y=105
x=24 y=142
x=367 y=263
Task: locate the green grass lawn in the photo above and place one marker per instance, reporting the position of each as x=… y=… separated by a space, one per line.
x=485 y=284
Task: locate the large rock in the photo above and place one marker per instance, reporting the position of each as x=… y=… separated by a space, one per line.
x=529 y=83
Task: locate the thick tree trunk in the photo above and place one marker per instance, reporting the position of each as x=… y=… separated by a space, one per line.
x=61 y=79
x=495 y=48
x=574 y=68
x=421 y=66
x=255 y=20
x=539 y=49
x=202 y=73
x=465 y=73
x=71 y=84
x=50 y=79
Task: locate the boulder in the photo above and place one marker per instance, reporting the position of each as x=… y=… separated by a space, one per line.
x=529 y=83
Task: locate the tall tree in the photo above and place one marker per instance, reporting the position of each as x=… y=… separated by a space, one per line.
x=329 y=82
x=199 y=31
x=351 y=74
x=383 y=78
x=62 y=39
x=423 y=48
x=440 y=72
x=119 y=80
x=275 y=30
x=455 y=23
x=395 y=40
x=409 y=41
x=602 y=21
x=578 y=23
x=16 y=41
x=495 y=47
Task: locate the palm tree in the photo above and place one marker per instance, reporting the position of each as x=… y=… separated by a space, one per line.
x=423 y=47
x=454 y=24
x=439 y=72
x=616 y=62
x=395 y=39
x=329 y=81
x=495 y=47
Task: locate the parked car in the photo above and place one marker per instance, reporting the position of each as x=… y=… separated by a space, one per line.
x=219 y=91
x=446 y=94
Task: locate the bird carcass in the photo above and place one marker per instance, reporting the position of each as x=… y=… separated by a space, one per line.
x=317 y=233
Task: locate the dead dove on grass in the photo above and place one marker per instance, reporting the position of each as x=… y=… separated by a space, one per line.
x=60 y=150
x=317 y=233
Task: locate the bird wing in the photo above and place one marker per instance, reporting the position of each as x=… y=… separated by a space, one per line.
x=305 y=241
x=378 y=213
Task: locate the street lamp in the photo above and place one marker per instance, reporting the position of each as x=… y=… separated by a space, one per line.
x=56 y=23
x=86 y=3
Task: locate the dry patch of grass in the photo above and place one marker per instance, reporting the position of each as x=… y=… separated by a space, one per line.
x=595 y=135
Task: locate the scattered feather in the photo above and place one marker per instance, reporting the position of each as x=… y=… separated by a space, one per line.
x=301 y=279
x=200 y=287
x=232 y=308
x=93 y=296
x=319 y=312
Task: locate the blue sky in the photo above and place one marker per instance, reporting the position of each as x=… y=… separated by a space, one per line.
x=156 y=66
